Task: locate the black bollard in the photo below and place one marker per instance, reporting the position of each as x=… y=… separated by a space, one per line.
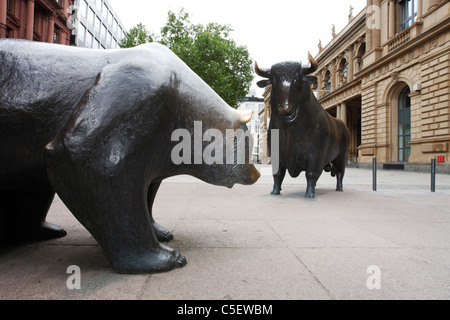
x=433 y=175
x=374 y=173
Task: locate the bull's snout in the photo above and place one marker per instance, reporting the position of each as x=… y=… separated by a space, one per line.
x=285 y=108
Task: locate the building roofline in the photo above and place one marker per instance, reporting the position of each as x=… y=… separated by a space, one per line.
x=349 y=31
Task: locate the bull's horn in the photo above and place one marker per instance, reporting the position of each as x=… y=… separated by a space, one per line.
x=261 y=72
x=313 y=67
x=245 y=115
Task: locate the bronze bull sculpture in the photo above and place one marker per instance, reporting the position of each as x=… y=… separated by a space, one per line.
x=310 y=139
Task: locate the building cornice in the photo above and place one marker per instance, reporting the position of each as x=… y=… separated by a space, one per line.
x=349 y=32
x=417 y=41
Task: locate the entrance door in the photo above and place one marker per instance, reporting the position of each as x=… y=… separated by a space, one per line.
x=404 y=125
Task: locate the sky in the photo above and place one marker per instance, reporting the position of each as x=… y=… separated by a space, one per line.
x=273 y=31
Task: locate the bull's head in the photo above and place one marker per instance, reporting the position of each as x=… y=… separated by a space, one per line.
x=290 y=82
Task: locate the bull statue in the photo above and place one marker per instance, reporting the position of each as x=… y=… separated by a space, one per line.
x=96 y=127
x=310 y=139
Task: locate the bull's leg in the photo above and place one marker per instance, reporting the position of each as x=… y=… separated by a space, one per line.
x=339 y=165
x=278 y=180
x=162 y=234
x=311 y=179
x=23 y=216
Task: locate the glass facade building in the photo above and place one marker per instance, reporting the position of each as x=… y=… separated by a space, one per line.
x=96 y=25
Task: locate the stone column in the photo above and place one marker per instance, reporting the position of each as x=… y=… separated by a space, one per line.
x=350 y=64
x=344 y=112
x=333 y=75
x=3 y=15
x=30 y=20
x=368 y=30
x=376 y=32
x=392 y=20
x=62 y=37
x=419 y=10
x=338 y=111
x=51 y=28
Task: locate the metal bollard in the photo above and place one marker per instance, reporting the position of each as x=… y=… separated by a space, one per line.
x=433 y=175
x=374 y=174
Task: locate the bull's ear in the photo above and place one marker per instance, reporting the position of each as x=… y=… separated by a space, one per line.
x=310 y=79
x=263 y=83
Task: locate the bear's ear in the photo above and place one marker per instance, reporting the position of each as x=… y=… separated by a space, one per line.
x=263 y=83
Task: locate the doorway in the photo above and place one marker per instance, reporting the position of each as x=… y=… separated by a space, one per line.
x=404 y=125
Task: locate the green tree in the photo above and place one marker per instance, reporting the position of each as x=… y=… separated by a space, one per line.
x=208 y=50
x=136 y=36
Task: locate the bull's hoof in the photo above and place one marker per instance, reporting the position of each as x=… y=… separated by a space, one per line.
x=162 y=234
x=309 y=195
x=276 y=192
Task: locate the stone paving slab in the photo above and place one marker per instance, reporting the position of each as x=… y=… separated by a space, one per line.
x=243 y=243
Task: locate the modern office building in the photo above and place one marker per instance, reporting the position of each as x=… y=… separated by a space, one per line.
x=96 y=25
x=256 y=105
x=36 y=20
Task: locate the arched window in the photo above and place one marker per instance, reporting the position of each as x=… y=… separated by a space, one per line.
x=328 y=80
x=404 y=125
x=342 y=72
x=359 y=56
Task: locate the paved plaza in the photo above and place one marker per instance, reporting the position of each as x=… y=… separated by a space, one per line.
x=243 y=243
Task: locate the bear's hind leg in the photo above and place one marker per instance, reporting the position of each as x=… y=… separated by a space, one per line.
x=23 y=216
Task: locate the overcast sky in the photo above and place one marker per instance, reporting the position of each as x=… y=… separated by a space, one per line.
x=273 y=31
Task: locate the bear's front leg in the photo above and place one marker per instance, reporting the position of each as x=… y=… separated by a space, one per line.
x=112 y=207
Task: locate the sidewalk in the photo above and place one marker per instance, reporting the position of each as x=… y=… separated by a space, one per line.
x=243 y=243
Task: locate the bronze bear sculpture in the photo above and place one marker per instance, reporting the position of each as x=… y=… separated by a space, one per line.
x=95 y=127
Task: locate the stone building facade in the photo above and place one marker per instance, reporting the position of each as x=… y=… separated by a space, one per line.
x=36 y=20
x=387 y=75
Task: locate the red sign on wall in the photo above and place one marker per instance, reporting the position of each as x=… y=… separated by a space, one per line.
x=441 y=159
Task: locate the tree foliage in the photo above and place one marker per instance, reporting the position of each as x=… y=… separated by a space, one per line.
x=209 y=51
x=136 y=36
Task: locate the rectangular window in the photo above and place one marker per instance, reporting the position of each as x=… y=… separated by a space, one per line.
x=55 y=34
x=81 y=31
x=109 y=40
x=105 y=11
x=408 y=13
x=91 y=16
x=116 y=26
x=8 y=5
x=110 y=18
x=83 y=8
x=98 y=24
x=89 y=39
x=103 y=32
